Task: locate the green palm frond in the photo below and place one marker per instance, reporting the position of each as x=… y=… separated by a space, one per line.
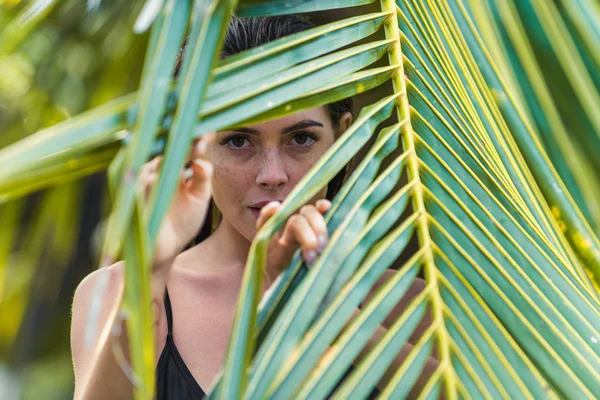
x=485 y=187
x=479 y=218
x=254 y=8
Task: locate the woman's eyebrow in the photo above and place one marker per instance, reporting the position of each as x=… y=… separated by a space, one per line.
x=307 y=123
x=245 y=130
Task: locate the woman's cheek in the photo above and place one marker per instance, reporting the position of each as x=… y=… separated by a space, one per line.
x=230 y=188
x=302 y=165
x=228 y=184
x=305 y=166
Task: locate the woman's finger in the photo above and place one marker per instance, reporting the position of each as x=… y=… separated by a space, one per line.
x=148 y=182
x=148 y=168
x=323 y=205
x=200 y=145
x=185 y=177
x=267 y=212
x=202 y=169
x=317 y=222
x=152 y=165
x=299 y=231
x=200 y=181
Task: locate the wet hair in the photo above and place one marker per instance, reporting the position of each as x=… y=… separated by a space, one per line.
x=247 y=33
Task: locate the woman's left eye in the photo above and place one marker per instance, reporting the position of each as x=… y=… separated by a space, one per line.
x=303 y=139
x=236 y=142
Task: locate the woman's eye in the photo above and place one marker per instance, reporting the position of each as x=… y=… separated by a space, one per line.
x=302 y=139
x=237 y=142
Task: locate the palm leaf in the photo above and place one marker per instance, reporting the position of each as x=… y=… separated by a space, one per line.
x=254 y=8
x=163 y=50
x=464 y=155
x=477 y=173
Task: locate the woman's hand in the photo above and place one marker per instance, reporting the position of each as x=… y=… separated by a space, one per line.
x=189 y=205
x=306 y=230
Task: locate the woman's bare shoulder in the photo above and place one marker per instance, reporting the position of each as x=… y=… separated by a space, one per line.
x=95 y=296
x=106 y=280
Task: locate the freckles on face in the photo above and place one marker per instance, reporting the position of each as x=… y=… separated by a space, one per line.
x=261 y=163
x=229 y=179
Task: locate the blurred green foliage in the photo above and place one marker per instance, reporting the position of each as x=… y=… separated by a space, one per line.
x=52 y=68
x=57 y=60
x=73 y=60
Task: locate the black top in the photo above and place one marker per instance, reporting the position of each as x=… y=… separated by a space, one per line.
x=173 y=378
x=175 y=381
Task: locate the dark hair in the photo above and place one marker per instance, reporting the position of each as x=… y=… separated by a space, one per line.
x=247 y=33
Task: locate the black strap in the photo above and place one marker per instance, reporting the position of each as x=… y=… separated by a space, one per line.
x=169 y=312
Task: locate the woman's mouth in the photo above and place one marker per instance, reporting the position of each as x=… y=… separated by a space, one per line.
x=256 y=207
x=255 y=211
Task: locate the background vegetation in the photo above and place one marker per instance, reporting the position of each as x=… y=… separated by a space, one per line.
x=494 y=168
x=57 y=60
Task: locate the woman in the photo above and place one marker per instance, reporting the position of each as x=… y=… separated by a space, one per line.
x=248 y=173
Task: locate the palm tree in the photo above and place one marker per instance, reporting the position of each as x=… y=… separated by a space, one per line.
x=477 y=171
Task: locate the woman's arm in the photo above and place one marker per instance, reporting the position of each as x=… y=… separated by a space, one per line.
x=98 y=375
x=84 y=355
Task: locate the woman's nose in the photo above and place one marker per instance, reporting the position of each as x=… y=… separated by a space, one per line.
x=272 y=172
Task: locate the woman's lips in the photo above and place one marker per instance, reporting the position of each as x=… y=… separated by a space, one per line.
x=255 y=211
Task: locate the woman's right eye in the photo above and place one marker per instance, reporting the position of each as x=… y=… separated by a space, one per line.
x=237 y=142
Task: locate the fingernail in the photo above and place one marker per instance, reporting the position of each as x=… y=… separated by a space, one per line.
x=322 y=241
x=274 y=204
x=201 y=147
x=310 y=257
x=323 y=203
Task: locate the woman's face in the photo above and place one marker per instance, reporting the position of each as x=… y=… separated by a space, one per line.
x=261 y=163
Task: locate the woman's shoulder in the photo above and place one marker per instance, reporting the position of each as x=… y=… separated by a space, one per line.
x=101 y=286
x=94 y=299
x=103 y=281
